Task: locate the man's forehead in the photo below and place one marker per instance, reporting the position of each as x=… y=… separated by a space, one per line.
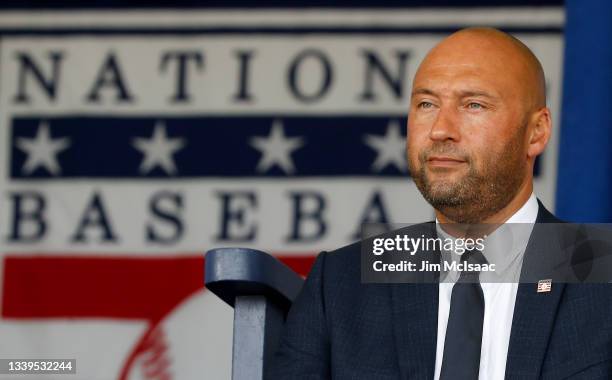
x=458 y=91
x=462 y=78
x=452 y=69
x=467 y=61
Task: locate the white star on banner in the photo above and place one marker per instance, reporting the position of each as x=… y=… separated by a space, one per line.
x=158 y=150
x=390 y=148
x=276 y=149
x=42 y=150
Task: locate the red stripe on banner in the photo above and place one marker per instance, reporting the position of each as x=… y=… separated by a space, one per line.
x=56 y=286
x=142 y=288
x=301 y=264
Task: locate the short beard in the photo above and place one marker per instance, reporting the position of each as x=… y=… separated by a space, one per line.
x=479 y=194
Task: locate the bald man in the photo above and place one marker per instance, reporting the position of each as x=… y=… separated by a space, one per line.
x=478 y=120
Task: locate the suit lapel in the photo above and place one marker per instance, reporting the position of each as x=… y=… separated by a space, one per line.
x=534 y=313
x=532 y=324
x=415 y=318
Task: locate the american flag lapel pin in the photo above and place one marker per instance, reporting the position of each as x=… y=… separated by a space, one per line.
x=544 y=286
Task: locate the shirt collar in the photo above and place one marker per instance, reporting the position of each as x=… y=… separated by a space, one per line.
x=528 y=213
x=508 y=242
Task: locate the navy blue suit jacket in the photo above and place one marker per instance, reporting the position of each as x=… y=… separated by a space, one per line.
x=339 y=328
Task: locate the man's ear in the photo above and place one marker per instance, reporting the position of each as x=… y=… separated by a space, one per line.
x=539 y=131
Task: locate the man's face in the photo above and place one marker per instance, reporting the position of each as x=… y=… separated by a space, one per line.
x=466 y=134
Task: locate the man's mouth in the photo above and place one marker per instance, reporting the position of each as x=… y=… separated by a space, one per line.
x=444 y=161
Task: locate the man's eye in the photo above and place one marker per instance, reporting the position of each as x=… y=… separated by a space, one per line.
x=475 y=106
x=425 y=105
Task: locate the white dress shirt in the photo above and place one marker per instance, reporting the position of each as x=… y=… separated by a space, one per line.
x=499 y=295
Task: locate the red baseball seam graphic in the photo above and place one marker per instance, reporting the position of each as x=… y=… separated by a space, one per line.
x=141 y=347
x=60 y=286
x=155 y=355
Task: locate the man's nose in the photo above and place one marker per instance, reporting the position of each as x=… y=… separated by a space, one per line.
x=445 y=126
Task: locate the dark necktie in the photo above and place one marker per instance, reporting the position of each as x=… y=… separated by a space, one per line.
x=461 y=359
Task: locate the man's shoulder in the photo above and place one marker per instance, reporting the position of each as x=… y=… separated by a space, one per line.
x=545 y=216
x=351 y=253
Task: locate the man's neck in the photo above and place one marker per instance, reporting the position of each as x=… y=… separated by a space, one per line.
x=500 y=217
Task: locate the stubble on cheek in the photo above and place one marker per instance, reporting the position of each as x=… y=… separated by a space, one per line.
x=476 y=189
